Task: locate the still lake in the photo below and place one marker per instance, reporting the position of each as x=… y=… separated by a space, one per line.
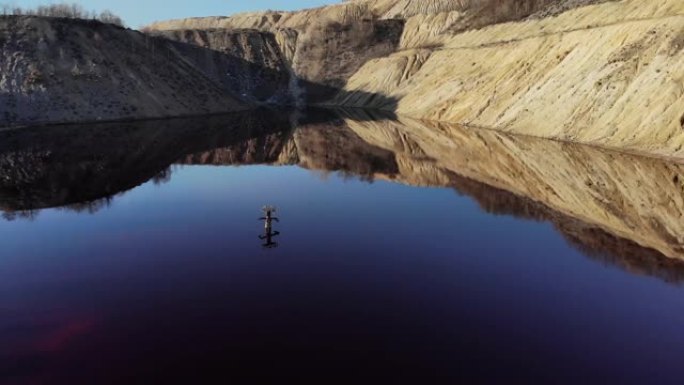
x=131 y=254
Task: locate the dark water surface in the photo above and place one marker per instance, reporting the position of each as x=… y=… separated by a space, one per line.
x=131 y=255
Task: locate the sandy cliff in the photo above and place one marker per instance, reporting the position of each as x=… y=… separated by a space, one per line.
x=248 y=63
x=602 y=72
x=327 y=45
x=592 y=71
x=608 y=74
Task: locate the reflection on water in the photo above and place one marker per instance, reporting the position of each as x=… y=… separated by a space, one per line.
x=620 y=217
x=129 y=254
x=269 y=233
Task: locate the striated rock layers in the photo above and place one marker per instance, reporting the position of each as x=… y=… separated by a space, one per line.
x=248 y=63
x=64 y=70
x=608 y=74
x=604 y=72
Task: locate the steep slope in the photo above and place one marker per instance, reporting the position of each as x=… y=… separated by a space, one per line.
x=60 y=70
x=326 y=45
x=64 y=70
x=248 y=63
x=607 y=74
x=604 y=72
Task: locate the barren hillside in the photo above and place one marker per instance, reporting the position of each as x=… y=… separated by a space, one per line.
x=608 y=74
x=591 y=71
x=602 y=72
x=63 y=70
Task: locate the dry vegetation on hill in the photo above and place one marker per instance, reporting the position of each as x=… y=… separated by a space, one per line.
x=64 y=10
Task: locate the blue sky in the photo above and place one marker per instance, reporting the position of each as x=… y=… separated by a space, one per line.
x=137 y=13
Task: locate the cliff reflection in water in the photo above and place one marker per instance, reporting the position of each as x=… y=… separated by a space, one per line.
x=624 y=210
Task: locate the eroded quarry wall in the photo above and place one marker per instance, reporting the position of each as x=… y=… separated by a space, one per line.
x=59 y=70
x=248 y=63
x=63 y=70
x=608 y=74
x=603 y=72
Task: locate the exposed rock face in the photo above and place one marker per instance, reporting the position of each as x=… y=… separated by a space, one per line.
x=323 y=53
x=604 y=72
x=65 y=70
x=607 y=74
x=249 y=62
x=325 y=46
x=59 y=70
x=592 y=71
